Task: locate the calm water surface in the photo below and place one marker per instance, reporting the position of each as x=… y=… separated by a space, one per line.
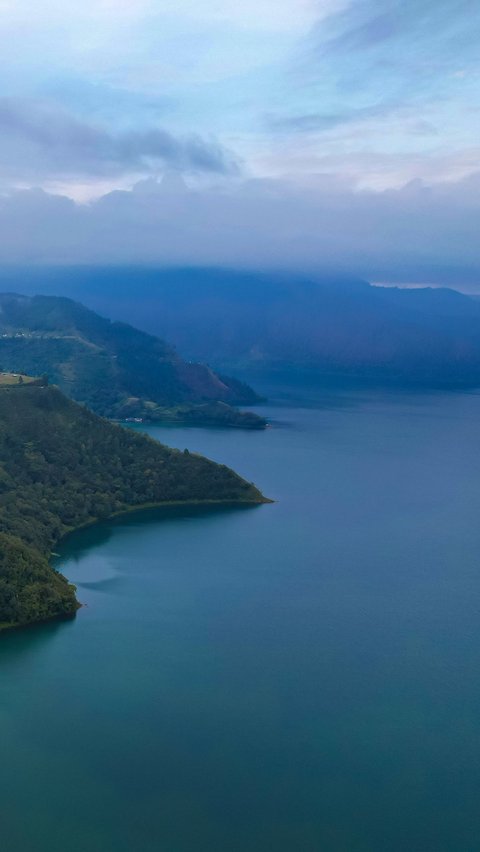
x=297 y=677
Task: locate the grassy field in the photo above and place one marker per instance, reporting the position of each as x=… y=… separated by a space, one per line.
x=14 y=379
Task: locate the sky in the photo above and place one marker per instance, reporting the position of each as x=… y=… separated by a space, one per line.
x=290 y=134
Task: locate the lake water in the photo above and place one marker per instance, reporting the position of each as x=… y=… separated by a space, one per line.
x=295 y=677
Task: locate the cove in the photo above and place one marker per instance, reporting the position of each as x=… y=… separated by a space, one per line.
x=295 y=676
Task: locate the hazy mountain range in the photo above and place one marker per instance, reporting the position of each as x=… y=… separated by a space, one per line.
x=333 y=326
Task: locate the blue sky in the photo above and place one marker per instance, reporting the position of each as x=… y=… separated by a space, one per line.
x=339 y=98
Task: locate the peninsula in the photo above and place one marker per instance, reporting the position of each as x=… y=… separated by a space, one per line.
x=62 y=467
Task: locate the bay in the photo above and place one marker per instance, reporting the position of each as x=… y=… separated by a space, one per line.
x=296 y=676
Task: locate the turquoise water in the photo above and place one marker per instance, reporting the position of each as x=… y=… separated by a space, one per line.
x=295 y=677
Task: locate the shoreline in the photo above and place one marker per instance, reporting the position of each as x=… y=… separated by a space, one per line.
x=199 y=424
x=7 y=628
x=164 y=504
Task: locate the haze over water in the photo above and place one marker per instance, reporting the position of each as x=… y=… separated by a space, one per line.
x=296 y=676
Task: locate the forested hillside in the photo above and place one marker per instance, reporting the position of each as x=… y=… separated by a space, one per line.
x=62 y=466
x=118 y=371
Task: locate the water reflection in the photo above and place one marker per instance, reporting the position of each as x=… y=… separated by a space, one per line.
x=80 y=542
x=29 y=640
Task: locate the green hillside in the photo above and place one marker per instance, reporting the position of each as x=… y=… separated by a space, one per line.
x=114 y=369
x=61 y=466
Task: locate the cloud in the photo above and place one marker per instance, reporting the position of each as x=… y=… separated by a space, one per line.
x=360 y=27
x=104 y=92
x=383 y=72
x=417 y=233
x=40 y=140
x=322 y=121
x=372 y=30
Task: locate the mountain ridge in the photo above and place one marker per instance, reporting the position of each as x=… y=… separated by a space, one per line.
x=331 y=325
x=117 y=370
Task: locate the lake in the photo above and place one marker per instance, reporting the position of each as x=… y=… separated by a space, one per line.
x=295 y=677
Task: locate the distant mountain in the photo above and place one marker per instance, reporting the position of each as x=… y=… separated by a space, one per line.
x=116 y=370
x=61 y=466
x=330 y=326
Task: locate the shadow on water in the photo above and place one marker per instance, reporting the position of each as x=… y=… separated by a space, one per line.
x=28 y=640
x=75 y=545
x=79 y=542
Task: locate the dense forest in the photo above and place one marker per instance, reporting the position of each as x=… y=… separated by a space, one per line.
x=114 y=369
x=62 y=466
